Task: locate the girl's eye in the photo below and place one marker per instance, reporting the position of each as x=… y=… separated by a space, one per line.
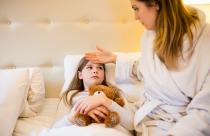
x=101 y=68
x=89 y=67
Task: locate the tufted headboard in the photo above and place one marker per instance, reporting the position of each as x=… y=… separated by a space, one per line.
x=41 y=32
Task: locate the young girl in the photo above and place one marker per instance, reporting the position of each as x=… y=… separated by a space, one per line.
x=89 y=74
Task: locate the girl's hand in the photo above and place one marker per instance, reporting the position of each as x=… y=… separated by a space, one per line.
x=91 y=102
x=101 y=56
x=100 y=111
x=71 y=115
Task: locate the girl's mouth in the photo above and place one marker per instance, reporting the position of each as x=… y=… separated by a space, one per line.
x=94 y=77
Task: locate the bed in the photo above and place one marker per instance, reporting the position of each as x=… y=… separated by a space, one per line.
x=38 y=35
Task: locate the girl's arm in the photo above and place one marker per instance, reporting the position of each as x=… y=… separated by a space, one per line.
x=67 y=120
x=125 y=113
x=91 y=102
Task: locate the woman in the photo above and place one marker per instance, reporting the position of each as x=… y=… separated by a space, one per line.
x=175 y=46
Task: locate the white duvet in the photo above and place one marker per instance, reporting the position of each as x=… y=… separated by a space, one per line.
x=91 y=130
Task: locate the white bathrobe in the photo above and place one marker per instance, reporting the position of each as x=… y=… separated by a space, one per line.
x=176 y=102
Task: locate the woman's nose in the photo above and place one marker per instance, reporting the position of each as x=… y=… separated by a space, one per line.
x=136 y=16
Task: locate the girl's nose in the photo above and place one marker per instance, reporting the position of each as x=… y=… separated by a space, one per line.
x=95 y=70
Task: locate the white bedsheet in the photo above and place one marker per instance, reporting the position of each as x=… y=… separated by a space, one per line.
x=44 y=119
x=39 y=125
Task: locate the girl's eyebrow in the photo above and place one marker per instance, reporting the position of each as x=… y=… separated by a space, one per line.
x=88 y=65
x=100 y=65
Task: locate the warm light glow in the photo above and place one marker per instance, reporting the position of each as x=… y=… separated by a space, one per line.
x=197 y=1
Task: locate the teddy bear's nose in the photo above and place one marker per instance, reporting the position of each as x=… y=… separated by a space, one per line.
x=99 y=92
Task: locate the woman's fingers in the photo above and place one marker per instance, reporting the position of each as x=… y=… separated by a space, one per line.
x=92 y=57
x=90 y=54
x=100 y=49
x=98 y=56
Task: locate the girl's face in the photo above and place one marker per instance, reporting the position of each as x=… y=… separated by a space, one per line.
x=145 y=14
x=92 y=74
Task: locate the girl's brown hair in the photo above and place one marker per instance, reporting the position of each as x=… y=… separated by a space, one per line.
x=77 y=84
x=174 y=20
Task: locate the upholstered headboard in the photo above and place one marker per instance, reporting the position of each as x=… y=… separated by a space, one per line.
x=41 y=32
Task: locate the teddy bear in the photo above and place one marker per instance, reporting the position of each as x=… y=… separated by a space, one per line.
x=112 y=118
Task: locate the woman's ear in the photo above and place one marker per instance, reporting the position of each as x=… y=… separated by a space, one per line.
x=79 y=75
x=157 y=7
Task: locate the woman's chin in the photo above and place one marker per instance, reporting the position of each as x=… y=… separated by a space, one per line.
x=149 y=28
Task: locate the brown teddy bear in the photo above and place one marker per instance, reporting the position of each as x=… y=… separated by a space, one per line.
x=113 y=118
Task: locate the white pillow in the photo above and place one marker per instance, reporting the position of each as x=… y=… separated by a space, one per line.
x=132 y=91
x=70 y=66
x=14 y=84
x=36 y=93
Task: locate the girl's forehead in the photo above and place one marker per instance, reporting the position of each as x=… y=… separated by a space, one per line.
x=93 y=64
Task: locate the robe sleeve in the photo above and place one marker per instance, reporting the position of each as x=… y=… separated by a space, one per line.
x=127 y=69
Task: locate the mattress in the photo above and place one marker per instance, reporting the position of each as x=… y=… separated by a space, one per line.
x=24 y=126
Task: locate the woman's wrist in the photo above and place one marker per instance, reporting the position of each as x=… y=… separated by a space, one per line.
x=114 y=58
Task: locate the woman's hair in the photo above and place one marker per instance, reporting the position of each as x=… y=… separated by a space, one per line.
x=174 y=20
x=77 y=84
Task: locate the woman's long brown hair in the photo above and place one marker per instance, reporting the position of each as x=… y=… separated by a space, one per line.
x=174 y=20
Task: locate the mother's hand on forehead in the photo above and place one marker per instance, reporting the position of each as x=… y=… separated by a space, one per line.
x=101 y=56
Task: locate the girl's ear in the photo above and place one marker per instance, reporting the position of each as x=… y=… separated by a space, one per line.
x=79 y=74
x=157 y=8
